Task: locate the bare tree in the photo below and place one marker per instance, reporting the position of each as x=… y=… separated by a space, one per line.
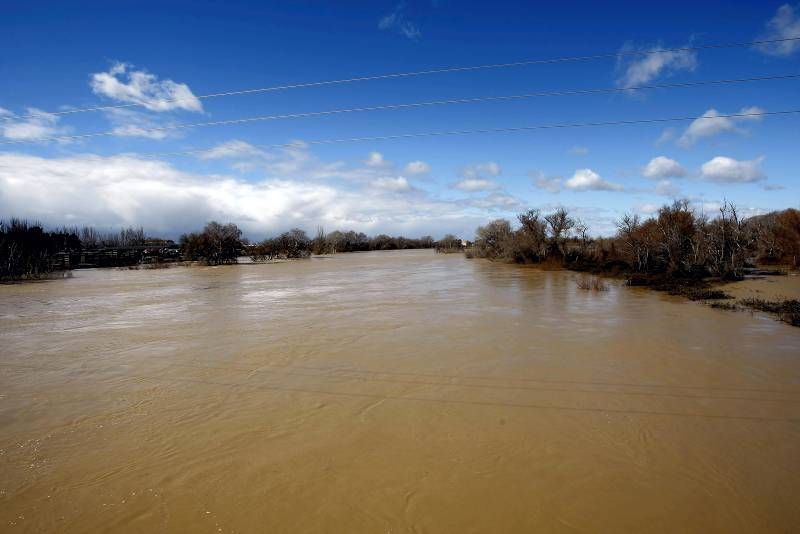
x=493 y=240
x=582 y=231
x=730 y=241
x=676 y=226
x=559 y=223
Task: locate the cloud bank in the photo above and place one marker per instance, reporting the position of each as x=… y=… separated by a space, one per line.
x=296 y=190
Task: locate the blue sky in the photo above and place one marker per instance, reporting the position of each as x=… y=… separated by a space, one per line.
x=58 y=56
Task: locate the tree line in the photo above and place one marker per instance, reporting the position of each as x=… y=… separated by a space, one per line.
x=293 y=244
x=29 y=251
x=677 y=242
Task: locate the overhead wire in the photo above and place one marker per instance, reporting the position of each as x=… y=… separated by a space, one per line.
x=409 y=105
x=512 y=129
x=427 y=72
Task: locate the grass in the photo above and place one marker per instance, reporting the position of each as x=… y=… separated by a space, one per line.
x=690 y=288
x=591 y=284
x=40 y=277
x=705 y=294
x=787 y=310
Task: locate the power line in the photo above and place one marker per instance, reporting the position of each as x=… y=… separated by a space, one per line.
x=411 y=105
x=516 y=129
x=440 y=70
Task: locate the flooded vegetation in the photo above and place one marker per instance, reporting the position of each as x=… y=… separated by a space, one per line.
x=678 y=250
x=402 y=391
x=28 y=251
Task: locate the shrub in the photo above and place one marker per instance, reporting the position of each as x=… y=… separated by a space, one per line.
x=591 y=284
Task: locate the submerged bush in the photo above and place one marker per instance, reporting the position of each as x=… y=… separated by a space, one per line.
x=591 y=284
x=787 y=311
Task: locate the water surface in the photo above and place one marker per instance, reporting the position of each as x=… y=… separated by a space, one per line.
x=389 y=392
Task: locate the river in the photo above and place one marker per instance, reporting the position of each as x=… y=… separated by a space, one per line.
x=390 y=392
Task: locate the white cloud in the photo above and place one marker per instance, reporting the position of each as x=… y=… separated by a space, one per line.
x=708 y=207
x=398 y=22
x=784 y=25
x=773 y=187
x=588 y=180
x=667 y=135
x=129 y=123
x=398 y=183
x=667 y=189
x=551 y=184
x=711 y=208
x=475 y=184
x=647 y=208
x=296 y=162
x=417 y=167
x=123 y=84
x=293 y=161
x=376 y=159
x=481 y=170
x=711 y=124
x=640 y=69
x=232 y=149
x=663 y=167
x=36 y=124
x=729 y=170
x=497 y=202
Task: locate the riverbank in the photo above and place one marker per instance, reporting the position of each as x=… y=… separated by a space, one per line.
x=775 y=292
x=777 y=295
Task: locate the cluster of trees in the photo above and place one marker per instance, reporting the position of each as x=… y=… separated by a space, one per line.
x=297 y=244
x=93 y=239
x=778 y=235
x=350 y=241
x=676 y=242
x=218 y=244
x=28 y=251
x=215 y=244
x=292 y=244
x=449 y=243
x=680 y=242
x=538 y=238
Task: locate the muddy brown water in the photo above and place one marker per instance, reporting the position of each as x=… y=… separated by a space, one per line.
x=390 y=392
